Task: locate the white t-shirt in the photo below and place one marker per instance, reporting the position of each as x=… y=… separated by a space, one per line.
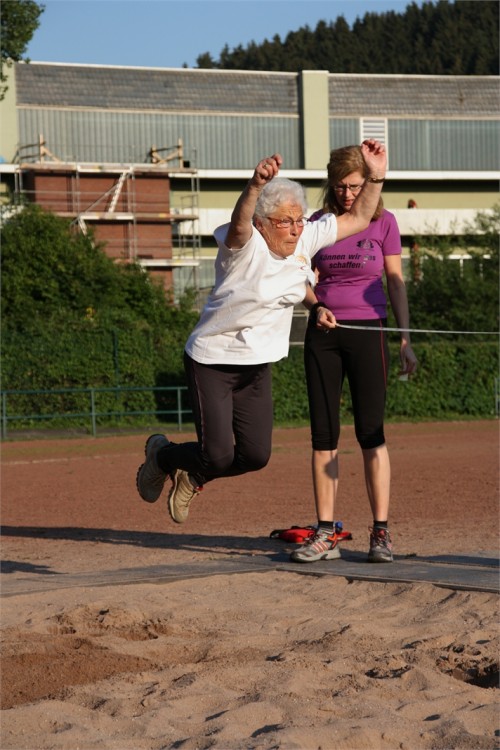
x=248 y=315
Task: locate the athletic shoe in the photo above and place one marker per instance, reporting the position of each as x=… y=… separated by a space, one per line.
x=183 y=490
x=150 y=478
x=380 y=546
x=320 y=546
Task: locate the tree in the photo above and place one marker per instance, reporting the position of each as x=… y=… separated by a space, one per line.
x=458 y=296
x=19 y=21
x=205 y=61
x=445 y=38
x=52 y=274
x=72 y=317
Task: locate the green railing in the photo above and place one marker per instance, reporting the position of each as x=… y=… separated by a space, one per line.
x=91 y=416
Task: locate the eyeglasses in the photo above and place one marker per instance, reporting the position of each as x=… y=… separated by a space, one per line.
x=287 y=223
x=344 y=188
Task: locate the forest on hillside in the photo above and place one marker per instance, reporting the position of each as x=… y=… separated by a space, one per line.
x=435 y=38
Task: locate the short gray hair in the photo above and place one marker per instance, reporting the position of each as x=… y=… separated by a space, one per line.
x=280 y=190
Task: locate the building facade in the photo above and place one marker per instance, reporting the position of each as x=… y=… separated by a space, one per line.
x=188 y=140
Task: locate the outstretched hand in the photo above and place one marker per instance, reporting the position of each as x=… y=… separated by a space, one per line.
x=266 y=169
x=375 y=157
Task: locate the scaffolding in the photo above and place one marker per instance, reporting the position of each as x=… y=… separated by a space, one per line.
x=129 y=207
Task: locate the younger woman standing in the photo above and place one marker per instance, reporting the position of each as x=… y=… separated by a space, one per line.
x=350 y=291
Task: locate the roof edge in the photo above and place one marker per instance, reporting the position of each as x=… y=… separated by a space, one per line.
x=402 y=76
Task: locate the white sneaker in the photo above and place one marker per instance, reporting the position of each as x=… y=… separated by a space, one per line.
x=320 y=546
x=150 y=478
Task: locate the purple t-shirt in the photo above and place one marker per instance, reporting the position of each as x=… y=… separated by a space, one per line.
x=350 y=271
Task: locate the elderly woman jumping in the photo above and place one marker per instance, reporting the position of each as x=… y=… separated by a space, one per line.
x=263 y=269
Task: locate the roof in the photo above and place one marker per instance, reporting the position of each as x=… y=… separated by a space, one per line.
x=106 y=87
x=198 y=90
x=419 y=96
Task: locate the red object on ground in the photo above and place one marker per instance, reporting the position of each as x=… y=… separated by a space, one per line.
x=299 y=534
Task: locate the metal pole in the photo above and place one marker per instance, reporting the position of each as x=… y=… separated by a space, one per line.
x=116 y=359
x=179 y=409
x=92 y=412
x=4 y=416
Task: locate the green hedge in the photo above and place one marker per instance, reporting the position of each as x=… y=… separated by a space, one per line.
x=72 y=358
x=454 y=379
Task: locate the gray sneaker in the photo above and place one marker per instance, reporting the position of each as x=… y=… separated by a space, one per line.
x=183 y=490
x=380 y=546
x=150 y=478
x=319 y=546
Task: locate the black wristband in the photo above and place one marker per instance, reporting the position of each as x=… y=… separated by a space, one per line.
x=375 y=179
x=313 y=312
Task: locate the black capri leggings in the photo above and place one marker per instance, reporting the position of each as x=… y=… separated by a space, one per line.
x=364 y=357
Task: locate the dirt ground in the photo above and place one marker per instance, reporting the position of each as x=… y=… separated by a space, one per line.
x=444 y=497
x=71 y=507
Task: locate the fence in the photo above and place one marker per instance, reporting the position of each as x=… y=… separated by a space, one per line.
x=92 y=416
x=174 y=397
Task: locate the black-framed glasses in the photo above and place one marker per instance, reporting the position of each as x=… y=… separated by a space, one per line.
x=287 y=223
x=341 y=188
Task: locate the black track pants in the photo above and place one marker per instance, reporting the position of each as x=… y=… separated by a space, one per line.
x=233 y=413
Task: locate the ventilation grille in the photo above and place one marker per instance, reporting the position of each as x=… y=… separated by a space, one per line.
x=372 y=127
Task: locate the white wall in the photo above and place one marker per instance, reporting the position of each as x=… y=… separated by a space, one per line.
x=411 y=221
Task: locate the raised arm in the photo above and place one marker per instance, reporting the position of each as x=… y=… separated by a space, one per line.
x=363 y=208
x=240 y=228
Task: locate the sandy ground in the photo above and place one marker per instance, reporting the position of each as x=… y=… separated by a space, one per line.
x=233 y=652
